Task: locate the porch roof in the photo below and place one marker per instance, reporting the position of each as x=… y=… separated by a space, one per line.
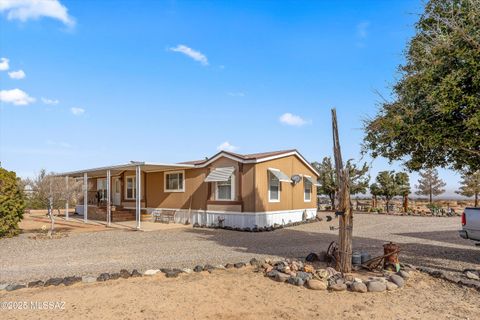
x=117 y=169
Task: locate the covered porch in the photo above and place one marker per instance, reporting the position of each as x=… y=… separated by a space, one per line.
x=116 y=194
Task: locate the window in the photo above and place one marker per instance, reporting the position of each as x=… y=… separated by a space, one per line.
x=307 y=190
x=225 y=190
x=174 y=181
x=130 y=187
x=273 y=188
x=102 y=188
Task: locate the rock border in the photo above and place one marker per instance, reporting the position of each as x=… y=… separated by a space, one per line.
x=463 y=282
x=276 y=226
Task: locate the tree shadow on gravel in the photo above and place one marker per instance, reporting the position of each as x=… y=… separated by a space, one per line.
x=451 y=236
x=294 y=243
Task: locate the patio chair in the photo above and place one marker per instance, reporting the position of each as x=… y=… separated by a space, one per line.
x=163 y=215
x=156 y=214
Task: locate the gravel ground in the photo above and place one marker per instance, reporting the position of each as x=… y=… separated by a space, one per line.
x=427 y=241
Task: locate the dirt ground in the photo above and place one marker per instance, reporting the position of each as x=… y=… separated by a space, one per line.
x=243 y=294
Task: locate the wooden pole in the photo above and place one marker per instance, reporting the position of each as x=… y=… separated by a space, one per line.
x=343 y=205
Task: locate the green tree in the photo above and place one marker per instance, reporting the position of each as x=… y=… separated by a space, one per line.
x=470 y=186
x=359 y=178
x=386 y=186
x=375 y=192
x=403 y=182
x=12 y=203
x=434 y=118
x=430 y=184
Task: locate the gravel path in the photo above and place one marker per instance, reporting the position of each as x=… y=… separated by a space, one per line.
x=426 y=241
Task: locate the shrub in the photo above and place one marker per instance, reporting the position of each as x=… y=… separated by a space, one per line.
x=12 y=203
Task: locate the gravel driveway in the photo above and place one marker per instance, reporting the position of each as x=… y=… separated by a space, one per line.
x=426 y=241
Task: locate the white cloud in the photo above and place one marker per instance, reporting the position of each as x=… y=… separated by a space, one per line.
x=362 y=29
x=236 y=94
x=17 y=75
x=195 y=55
x=77 y=111
x=24 y=10
x=292 y=119
x=4 y=64
x=227 y=147
x=16 y=97
x=50 y=101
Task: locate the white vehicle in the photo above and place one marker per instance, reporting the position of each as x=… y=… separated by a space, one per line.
x=471 y=224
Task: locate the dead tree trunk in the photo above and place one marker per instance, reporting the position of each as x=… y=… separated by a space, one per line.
x=344 y=207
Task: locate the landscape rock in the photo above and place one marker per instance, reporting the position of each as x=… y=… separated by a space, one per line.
x=165 y=270
x=135 y=273
x=15 y=286
x=151 y=272
x=208 y=267
x=312 y=257
x=316 y=284
x=397 y=280
x=53 y=282
x=172 y=274
x=3 y=286
x=198 y=269
x=114 y=276
x=391 y=286
x=379 y=279
x=281 y=277
x=187 y=270
x=89 y=279
x=308 y=268
x=68 y=281
x=296 y=281
x=219 y=267
x=103 y=277
x=404 y=274
x=472 y=275
x=229 y=266
x=338 y=287
x=36 y=284
x=304 y=275
x=239 y=265
x=255 y=262
x=272 y=274
x=125 y=274
x=322 y=273
x=359 y=287
x=376 y=286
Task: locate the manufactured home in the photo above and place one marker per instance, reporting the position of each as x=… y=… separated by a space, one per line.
x=229 y=189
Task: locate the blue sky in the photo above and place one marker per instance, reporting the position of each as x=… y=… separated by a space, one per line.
x=106 y=82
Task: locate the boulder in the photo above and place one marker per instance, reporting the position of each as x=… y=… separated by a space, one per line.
x=391 y=286
x=272 y=274
x=68 y=281
x=36 y=284
x=296 y=281
x=338 y=287
x=322 y=273
x=135 y=273
x=281 y=277
x=103 y=277
x=208 y=267
x=255 y=262
x=229 y=266
x=88 y=279
x=151 y=272
x=198 y=268
x=376 y=286
x=15 y=286
x=165 y=270
x=53 y=282
x=308 y=268
x=316 y=285
x=125 y=274
x=404 y=274
x=3 y=286
x=172 y=274
x=304 y=275
x=359 y=287
x=187 y=270
x=239 y=265
x=472 y=275
x=114 y=276
x=395 y=278
x=219 y=267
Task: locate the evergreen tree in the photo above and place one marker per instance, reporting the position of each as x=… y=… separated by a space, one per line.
x=430 y=184
x=470 y=186
x=12 y=203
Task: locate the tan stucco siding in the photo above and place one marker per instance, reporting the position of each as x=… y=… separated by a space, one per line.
x=248 y=187
x=194 y=196
x=291 y=196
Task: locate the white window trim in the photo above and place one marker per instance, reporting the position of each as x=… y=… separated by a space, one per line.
x=134 y=187
x=268 y=186
x=232 y=190
x=311 y=189
x=165 y=181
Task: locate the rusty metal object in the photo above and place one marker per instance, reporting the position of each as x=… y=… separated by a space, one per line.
x=390 y=251
x=333 y=255
x=379 y=262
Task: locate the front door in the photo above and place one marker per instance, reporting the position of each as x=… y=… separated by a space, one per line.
x=117 y=191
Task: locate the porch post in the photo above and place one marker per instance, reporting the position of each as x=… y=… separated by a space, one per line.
x=66 y=198
x=109 y=205
x=85 y=197
x=138 y=195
